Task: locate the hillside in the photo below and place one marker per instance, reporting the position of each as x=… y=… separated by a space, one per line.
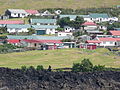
x=59 y=58
x=44 y=80
x=38 y=4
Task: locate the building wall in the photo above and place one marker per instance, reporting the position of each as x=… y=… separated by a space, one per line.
x=64 y=34
x=50 y=31
x=90 y=27
x=18 y=15
x=13 y=30
x=108 y=43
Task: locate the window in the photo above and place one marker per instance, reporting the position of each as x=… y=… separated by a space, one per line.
x=111 y=42
x=14 y=13
x=104 y=42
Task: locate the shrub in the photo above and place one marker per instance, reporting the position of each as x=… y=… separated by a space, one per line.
x=23 y=68
x=99 y=68
x=39 y=67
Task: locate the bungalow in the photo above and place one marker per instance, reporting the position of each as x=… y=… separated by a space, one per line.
x=64 y=33
x=72 y=17
x=68 y=29
x=46 y=13
x=4 y=22
x=115 y=33
x=43 y=21
x=39 y=42
x=45 y=29
x=89 y=26
x=33 y=12
x=102 y=17
x=16 y=13
x=15 y=28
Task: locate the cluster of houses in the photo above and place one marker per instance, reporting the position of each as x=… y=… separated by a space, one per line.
x=94 y=35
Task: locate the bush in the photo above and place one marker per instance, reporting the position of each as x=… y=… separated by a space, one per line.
x=39 y=67
x=84 y=66
x=23 y=68
x=99 y=68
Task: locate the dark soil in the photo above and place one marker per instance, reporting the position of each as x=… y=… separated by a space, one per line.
x=15 y=79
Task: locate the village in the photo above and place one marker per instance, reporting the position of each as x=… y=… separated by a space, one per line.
x=61 y=31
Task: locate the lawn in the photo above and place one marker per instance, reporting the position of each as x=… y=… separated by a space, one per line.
x=39 y=4
x=58 y=58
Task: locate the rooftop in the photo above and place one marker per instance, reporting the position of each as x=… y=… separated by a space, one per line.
x=11 y=22
x=99 y=15
x=89 y=24
x=17 y=11
x=45 y=26
x=116 y=33
x=32 y=11
x=43 y=20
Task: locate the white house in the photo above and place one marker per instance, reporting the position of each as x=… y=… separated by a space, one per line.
x=64 y=33
x=43 y=21
x=16 y=13
x=47 y=13
x=68 y=29
x=57 y=12
x=90 y=26
x=45 y=29
x=101 y=17
x=13 y=28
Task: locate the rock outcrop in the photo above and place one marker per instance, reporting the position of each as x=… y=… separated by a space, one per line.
x=16 y=79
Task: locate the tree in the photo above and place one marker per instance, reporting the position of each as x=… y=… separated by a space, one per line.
x=63 y=22
x=84 y=66
x=60 y=29
x=39 y=67
x=3 y=30
x=99 y=68
x=31 y=31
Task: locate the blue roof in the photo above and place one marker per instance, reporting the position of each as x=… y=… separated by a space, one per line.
x=74 y=16
x=99 y=15
x=45 y=26
x=39 y=37
x=18 y=26
x=43 y=21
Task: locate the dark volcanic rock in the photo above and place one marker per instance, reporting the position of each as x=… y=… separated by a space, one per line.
x=15 y=79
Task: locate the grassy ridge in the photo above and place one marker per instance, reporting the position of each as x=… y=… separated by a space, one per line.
x=58 y=58
x=38 y=4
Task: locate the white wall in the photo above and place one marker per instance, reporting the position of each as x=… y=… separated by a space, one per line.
x=107 y=43
x=50 y=31
x=13 y=30
x=90 y=27
x=64 y=34
x=18 y=14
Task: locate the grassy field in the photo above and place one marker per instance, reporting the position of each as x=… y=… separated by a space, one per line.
x=38 y=4
x=58 y=58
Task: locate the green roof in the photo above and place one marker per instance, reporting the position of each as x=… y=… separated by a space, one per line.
x=18 y=26
x=99 y=15
x=45 y=26
x=39 y=37
x=43 y=21
x=74 y=16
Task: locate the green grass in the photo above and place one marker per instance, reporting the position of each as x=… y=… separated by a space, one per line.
x=58 y=58
x=38 y=4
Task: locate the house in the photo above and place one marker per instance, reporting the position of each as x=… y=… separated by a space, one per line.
x=99 y=17
x=90 y=26
x=115 y=33
x=43 y=21
x=88 y=46
x=16 y=13
x=46 y=13
x=11 y=22
x=33 y=12
x=72 y=17
x=68 y=29
x=45 y=29
x=64 y=33
x=39 y=42
x=102 y=17
x=57 y=12
x=69 y=44
x=93 y=42
x=16 y=28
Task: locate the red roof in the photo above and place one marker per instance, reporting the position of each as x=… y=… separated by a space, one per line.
x=93 y=41
x=12 y=41
x=116 y=33
x=109 y=39
x=32 y=11
x=11 y=22
x=89 y=24
x=41 y=41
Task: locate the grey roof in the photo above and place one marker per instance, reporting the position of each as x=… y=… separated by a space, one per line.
x=43 y=21
x=99 y=15
x=18 y=26
x=17 y=11
x=45 y=26
x=74 y=16
x=39 y=37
